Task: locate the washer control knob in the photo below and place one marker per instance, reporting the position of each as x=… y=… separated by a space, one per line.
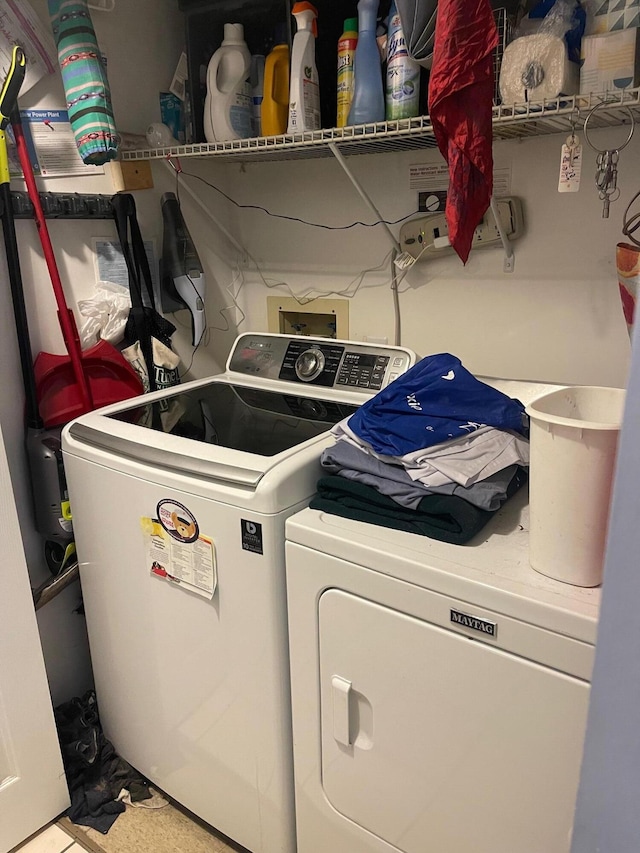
x=309 y=364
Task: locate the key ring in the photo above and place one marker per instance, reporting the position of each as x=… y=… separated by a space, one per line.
x=618 y=147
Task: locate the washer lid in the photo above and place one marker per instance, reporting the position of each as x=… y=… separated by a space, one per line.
x=252 y=420
x=214 y=429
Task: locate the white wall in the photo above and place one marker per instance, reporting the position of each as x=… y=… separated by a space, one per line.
x=557 y=317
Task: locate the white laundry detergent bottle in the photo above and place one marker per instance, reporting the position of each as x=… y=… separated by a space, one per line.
x=227 y=106
x=304 y=91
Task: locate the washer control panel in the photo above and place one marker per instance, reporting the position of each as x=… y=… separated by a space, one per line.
x=363 y=371
x=319 y=362
x=311 y=361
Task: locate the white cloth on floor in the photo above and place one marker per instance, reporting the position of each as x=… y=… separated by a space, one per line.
x=155 y=801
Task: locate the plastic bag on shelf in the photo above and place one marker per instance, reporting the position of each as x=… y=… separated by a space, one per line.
x=565 y=19
x=541 y=63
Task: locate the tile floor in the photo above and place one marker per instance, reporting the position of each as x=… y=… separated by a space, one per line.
x=51 y=839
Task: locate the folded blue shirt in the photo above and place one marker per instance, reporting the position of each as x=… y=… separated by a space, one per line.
x=437 y=400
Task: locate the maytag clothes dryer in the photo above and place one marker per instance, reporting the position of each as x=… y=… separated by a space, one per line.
x=179 y=500
x=439 y=692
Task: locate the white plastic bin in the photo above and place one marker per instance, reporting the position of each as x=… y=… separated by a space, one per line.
x=574 y=437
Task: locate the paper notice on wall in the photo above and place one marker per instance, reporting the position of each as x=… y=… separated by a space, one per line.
x=190 y=565
x=429 y=176
x=52 y=145
x=434 y=177
x=111 y=266
x=502 y=182
x=19 y=25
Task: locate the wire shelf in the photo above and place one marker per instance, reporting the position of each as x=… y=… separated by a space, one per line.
x=510 y=121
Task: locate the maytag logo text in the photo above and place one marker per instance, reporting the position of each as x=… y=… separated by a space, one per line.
x=473 y=622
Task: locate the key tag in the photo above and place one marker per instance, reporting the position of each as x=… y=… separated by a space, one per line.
x=570 y=164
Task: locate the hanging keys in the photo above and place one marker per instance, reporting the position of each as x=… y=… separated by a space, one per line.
x=607 y=164
x=607 y=178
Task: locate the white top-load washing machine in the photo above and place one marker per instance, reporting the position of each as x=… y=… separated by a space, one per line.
x=439 y=692
x=179 y=500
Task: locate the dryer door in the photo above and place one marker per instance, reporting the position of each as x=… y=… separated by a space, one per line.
x=430 y=739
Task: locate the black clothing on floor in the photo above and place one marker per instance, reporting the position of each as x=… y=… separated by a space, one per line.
x=95 y=772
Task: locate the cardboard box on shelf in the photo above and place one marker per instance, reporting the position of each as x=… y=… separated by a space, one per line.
x=607 y=17
x=611 y=61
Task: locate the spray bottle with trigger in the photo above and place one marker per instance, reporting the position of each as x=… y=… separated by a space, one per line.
x=367 y=104
x=182 y=274
x=304 y=92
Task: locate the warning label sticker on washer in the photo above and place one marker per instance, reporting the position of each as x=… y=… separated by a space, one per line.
x=188 y=563
x=251 y=536
x=177 y=520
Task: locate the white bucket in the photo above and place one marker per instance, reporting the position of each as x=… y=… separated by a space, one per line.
x=574 y=437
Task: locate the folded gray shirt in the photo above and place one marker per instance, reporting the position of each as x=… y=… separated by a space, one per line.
x=348 y=461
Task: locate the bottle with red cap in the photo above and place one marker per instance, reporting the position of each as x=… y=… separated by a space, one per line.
x=304 y=91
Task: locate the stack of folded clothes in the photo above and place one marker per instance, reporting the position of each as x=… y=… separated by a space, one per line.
x=437 y=452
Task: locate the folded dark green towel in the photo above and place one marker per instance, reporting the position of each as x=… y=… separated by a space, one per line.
x=445 y=517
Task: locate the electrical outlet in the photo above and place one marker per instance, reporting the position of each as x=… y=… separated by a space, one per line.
x=417 y=237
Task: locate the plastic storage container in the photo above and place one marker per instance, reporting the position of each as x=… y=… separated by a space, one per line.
x=304 y=91
x=574 y=438
x=275 y=100
x=227 y=106
x=347 y=44
x=402 y=93
x=368 y=94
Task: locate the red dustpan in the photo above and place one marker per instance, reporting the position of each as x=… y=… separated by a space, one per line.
x=60 y=396
x=69 y=386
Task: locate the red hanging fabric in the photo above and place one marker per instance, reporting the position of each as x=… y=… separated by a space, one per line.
x=460 y=102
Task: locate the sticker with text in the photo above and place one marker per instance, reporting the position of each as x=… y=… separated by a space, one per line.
x=177 y=520
x=251 y=536
x=190 y=565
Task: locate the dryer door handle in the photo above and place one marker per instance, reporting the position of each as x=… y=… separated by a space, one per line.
x=341 y=689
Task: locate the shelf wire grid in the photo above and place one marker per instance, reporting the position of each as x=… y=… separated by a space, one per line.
x=510 y=121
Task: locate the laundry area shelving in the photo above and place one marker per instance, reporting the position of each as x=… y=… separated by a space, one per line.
x=510 y=122
x=514 y=121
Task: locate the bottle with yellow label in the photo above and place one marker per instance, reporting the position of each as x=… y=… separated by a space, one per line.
x=346 y=51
